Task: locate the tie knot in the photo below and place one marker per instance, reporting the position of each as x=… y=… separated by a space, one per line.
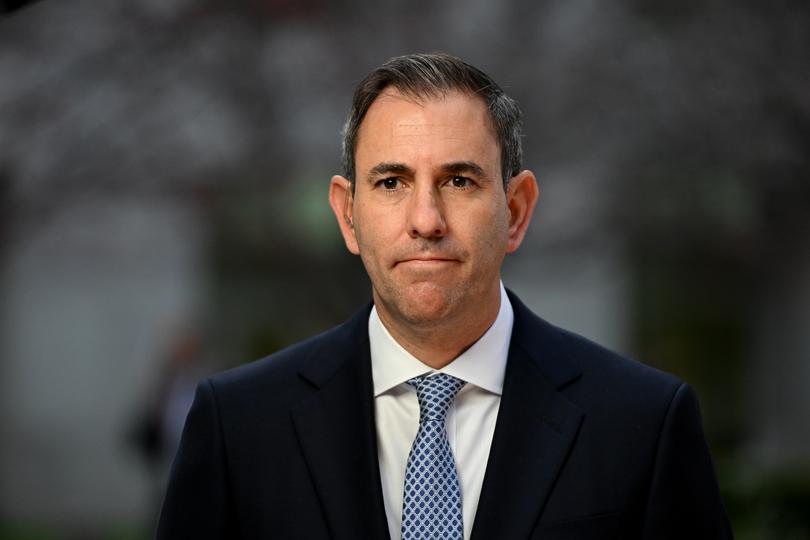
x=435 y=393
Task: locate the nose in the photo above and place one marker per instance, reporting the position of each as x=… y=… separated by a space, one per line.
x=426 y=214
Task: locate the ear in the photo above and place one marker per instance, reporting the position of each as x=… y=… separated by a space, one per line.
x=521 y=197
x=341 y=200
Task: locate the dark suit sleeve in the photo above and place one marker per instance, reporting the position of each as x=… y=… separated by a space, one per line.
x=684 y=499
x=197 y=503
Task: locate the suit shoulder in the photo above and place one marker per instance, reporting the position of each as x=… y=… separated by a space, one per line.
x=566 y=356
x=614 y=385
x=278 y=365
x=279 y=372
x=600 y=361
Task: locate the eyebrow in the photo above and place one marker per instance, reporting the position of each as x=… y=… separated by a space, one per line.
x=384 y=168
x=455 y=167
x=469 y=167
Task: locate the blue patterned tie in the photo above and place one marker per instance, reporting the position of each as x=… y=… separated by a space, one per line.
x=431 y=507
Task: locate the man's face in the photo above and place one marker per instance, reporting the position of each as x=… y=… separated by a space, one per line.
x=429 y=216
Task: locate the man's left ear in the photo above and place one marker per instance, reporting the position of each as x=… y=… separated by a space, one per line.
x=521 y=196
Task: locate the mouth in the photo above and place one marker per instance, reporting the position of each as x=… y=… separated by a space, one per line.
x=427 y=261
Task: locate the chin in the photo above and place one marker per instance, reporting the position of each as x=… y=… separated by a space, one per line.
x=425 y=303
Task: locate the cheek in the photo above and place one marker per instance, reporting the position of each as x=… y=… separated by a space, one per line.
x=371 y=247
x=377 y=227
x=496 y=239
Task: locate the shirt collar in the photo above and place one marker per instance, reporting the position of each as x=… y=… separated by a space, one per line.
x=482 y=365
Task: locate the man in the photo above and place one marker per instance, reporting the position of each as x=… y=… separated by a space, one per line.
x=446 y=409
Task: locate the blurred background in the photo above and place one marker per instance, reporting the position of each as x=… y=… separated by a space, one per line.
x=163 y=177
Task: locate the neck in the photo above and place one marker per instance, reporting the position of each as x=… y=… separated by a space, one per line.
x=437 y=343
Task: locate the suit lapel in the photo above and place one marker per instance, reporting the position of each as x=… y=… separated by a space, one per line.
x=535 y=430
x=337 y=434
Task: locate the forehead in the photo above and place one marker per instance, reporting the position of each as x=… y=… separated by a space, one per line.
x=397 y=125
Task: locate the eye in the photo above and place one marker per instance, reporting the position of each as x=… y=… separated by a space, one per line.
x=460 y=182
x=389 y=183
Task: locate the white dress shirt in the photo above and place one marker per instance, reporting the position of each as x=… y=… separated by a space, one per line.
x=470 y=419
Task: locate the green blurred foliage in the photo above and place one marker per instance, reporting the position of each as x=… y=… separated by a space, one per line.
x=767 y=505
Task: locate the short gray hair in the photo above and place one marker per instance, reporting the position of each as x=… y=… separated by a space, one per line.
x=433 y=75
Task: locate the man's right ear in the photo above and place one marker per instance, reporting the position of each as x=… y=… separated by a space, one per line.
x=341 y=199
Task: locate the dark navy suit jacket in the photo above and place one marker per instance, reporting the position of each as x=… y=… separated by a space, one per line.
x=587 y=445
